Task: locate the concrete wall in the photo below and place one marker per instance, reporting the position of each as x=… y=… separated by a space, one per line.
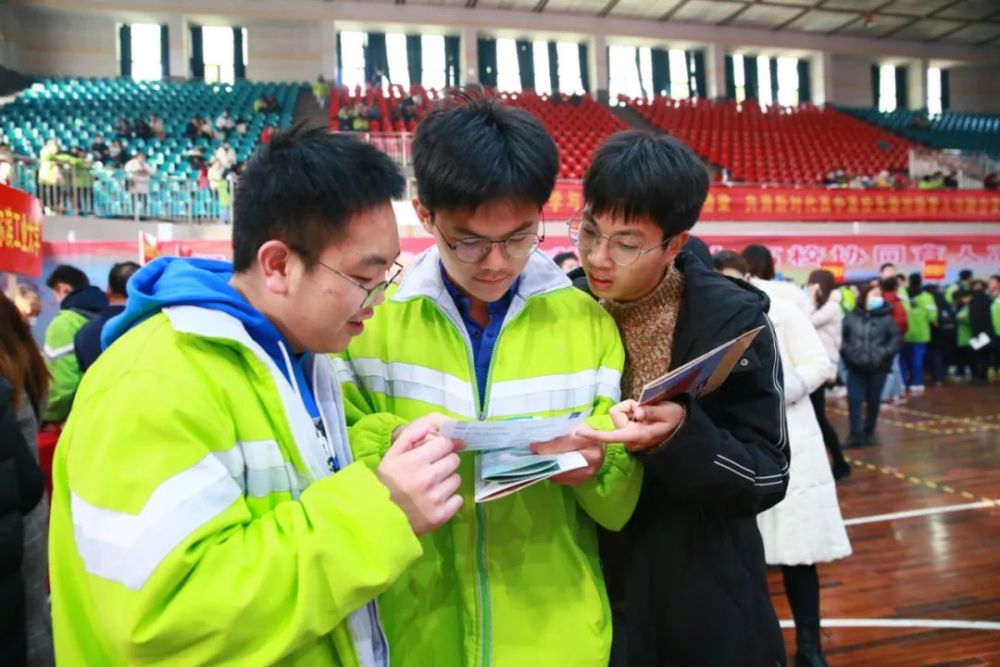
x=10 y=48
x=284 y=51
x=852 y=83
x=77 y=44
x=975 y=89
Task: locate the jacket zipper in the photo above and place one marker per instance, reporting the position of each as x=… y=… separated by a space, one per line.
x=482 y=575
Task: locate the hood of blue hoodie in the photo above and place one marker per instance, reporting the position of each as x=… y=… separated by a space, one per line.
x=87 y=299
x=173 y=281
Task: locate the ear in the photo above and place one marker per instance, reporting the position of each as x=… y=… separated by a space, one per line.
x=275 y=261
x=423 y=214
x=678 y=242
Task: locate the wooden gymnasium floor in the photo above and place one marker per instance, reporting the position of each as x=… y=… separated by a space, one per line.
x=920 y=589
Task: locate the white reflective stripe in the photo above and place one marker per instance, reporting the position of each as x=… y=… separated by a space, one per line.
x=260 y=469
x=420 y=383
x=609 y=383
x=553 y=393
x=344 y=371
x=56 y=352
x=128 y=548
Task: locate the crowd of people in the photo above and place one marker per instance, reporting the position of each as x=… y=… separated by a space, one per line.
x=66 y=176
x=360 y=117
x=288 y=494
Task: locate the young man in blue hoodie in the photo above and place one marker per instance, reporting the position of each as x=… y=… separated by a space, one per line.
x=206 y=508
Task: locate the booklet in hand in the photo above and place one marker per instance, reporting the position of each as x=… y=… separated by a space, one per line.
x=504 y=461
x=501 y=473
x=699 y=376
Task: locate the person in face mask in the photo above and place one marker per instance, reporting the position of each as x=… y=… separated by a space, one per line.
x=870 y=342
x=28 y=303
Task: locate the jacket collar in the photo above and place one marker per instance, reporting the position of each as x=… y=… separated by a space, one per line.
x=226 y=329
x=540 y=276
x=714 y=309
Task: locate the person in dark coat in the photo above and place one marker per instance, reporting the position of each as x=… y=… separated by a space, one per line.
x=981 y=321
x=87 y=342
x=21 y=489
x=25 y=619
x=686 y=576
x=869 y=346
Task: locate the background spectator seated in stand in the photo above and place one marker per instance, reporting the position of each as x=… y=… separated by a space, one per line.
x=156 y=126
x=123 y=129
x=99 y=149
x=224 y=124
x=225 y=155
x=142 y=129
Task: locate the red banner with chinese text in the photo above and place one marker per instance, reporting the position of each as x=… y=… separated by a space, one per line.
x=20 y=233
x=796 y=256
x=818 y=205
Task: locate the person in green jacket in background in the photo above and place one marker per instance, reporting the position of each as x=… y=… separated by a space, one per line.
x=993 y=285
x=921 y=316
x=486 y=327
x=81 y=180
x=964 y=283
x=206 y=506
x=848 y=298
x=962 y=299
x=79 y=302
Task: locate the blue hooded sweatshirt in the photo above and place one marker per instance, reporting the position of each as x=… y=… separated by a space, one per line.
x=172 y=281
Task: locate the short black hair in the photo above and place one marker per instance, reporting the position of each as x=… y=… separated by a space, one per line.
x=889 y=285
x=760 y=262
x=730 y=259
x=303 y=187
x=69 y=275
x=563 y=256
x=118 y=276
x=471 y=150
x=886 y=266
x=916 y=283
x=965 y=274
x=639 y=174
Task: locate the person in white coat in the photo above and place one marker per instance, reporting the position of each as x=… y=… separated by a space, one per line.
x=827 y=316
x=806 y=527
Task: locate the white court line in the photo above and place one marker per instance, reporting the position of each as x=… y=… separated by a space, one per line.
x=902 y=623
x=921 y=512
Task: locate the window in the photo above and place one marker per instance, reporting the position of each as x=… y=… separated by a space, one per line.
x=764 y=81
x=739 y=78
x=543 y=80
x=434 y=76
x=569 y=68
x=646 y=71
x=399 y=66
x=679 y=86
x=788 y=82
x=624 y=79
x=147 y=56
x=887 y=88
x=508 y=67
x=934 y=107
x=218 y=54
x=352 y=56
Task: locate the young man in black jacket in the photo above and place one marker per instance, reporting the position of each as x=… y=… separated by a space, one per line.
x=687 y=575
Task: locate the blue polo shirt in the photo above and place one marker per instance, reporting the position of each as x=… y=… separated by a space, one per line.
x=484 y=339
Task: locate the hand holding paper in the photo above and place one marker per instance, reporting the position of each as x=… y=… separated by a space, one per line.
x=506 y=464
x=640 y=427
x=592 y=453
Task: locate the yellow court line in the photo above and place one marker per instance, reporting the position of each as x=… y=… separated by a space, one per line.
x=913 y=479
